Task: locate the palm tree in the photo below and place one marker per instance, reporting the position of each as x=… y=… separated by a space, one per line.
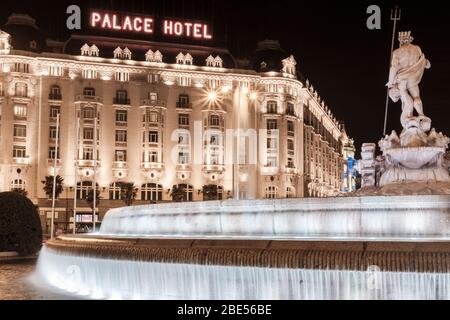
x=210 y=192
x=128 y=192
x=48 y=186
x=90 y=198
x=178 y=192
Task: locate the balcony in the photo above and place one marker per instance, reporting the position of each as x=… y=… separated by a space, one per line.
x=55 y=96
x=291 y=170
x=152 y=103
x=87 y=163
x=183 y=167
x=269 y=170
x=121 y=101
x=83 y=98
x=213 y=168
x=184 y=105
x=21 y=160
x=152 y=166
x=119 y=165
x=51 y=162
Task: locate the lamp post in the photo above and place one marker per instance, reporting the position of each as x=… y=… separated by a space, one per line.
x=55 y=159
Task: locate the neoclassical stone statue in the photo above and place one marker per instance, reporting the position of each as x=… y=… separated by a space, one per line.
x=407 y=68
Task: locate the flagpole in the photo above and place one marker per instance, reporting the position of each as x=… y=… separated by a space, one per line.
x=55 y=159
x=395 y=16
x=94 y=183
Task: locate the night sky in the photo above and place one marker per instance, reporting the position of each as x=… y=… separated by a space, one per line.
x=344 y=60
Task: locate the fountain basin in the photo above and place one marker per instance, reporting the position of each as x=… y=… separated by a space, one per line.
x=414 y=157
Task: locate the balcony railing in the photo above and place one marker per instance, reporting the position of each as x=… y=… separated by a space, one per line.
x=184 y=105
x=54 y=96
x=84 y=98
x=122 y=101
x=214 y=168
x=152 y=166
x=152 y=103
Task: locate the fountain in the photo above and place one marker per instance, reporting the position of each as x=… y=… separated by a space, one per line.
x=356 y=247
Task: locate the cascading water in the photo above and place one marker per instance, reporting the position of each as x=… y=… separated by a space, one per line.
x=118 y=279
x=352 y=219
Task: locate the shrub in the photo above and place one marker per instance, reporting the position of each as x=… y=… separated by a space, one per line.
x=20 y=226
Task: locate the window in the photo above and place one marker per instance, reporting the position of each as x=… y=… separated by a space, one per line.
x=290 y=145
x=52 y=153
x=290 y=111
x=183 y=138
x=153 y=157
x=290 y=192
x=151 y=192
x=88 y=154
x=88 y=133
x=55 y=93
x=115 y=191
x=19 y=152
x=120 y=155
x=153 y=117
x=183 y=101
x=271 y=192
x=21 y=89
x=17 y=184
x=88 y=113
x=214 y=121
x=272 y=161
x=121 y=116
x=121 y=136
x=153 y=97
x=183 y=158
x=121 y=97
x=89 y=74
x=184 y=192
x=52 y=133
x=272 y=107
x=290 y=128
x=272 y=143
x=20 y=111
x=272 y=124
x=20 y=131
x=290 y=163
x=83 y=189
x=22 y=67
x=88 y=91
x=54 y=111
x=183 y=119
x=153 y=137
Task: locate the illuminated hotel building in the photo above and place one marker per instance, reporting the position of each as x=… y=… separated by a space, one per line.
x=150 y=102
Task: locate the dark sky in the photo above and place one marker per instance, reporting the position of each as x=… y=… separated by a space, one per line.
x=345 y=61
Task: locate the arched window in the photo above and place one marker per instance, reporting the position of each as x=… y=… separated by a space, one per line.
x=271 y=192
x=83 y=189
x=214 y=120
x=290 y=192
x=89 y=91
x=183 y=192
x=151 y=192
x=115 y=191
x=17 y=184
x=55 y=93
x=21 y=89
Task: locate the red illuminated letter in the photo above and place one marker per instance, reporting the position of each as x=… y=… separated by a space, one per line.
x=197 y=30
x=95 y=17
x=106 y=23
x=137 y=24
x=127 y=24
x=178 y=27
x=206 y=35
x=115 y=25
x=168 y=27
x=188 y=29
x=148 y=25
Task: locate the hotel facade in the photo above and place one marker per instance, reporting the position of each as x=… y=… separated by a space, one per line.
x=167 y=117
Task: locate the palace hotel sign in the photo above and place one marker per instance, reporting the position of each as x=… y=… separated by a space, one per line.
x=149 y=25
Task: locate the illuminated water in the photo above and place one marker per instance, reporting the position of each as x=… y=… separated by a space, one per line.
x=372 y=218
x=113 y=279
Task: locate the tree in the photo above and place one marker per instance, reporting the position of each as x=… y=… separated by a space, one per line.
x=22 y=192
x=48 y=186
x=178 y=193
x=128 y=192
x=210 y=192
x=20 y=225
